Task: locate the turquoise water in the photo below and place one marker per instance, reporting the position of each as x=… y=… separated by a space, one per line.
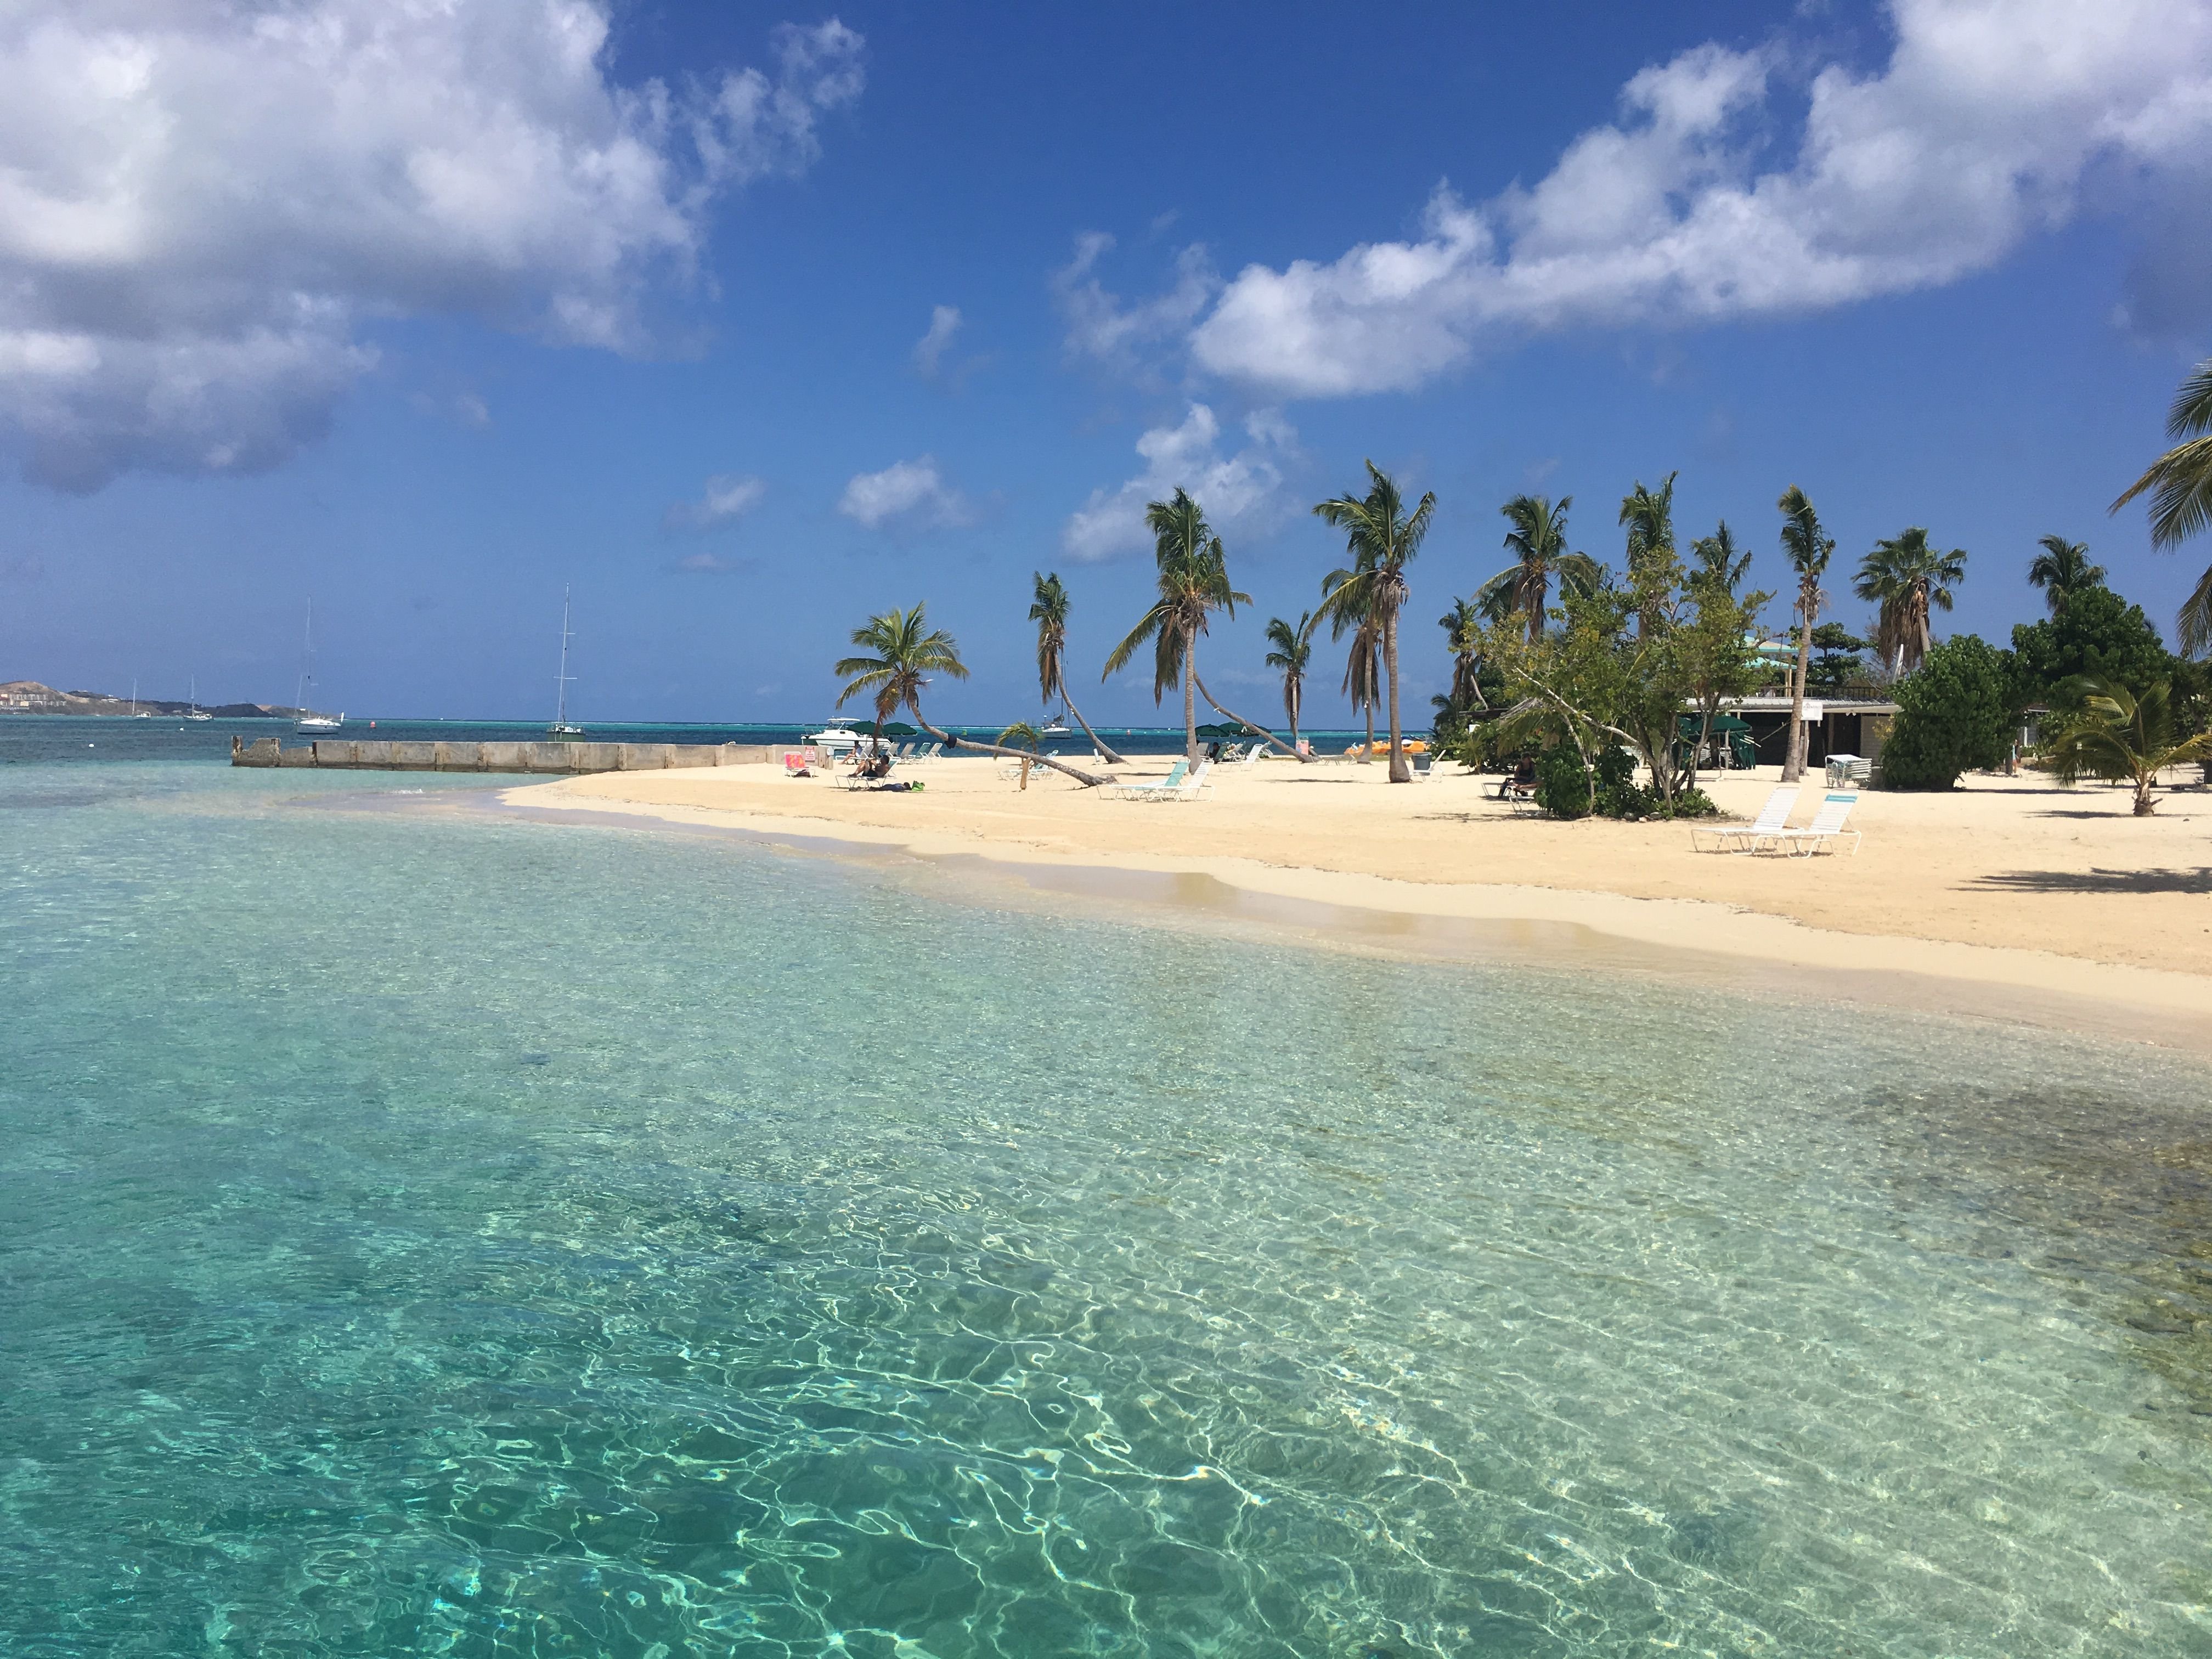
x=425 y=1235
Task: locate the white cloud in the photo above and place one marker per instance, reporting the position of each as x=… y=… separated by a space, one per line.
x=710 y=564
x=1982 y=129
x=1100 y=327
x=1236 y=491
x=944 y=324
x=904 y=496
x=726 y=500
x=201 y=206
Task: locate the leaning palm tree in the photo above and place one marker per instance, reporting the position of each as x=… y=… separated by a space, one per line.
x=1462 y=626
x=1908 y=580
x=1809 y=548
x=1194 y=579
x=2122 y=737
x=1049 y=610
x=1383 y=538
x=2062 y=570
x=1648 y=517
x=1539 y=543
x=2180 y=485
x=1293 y=651
x=904 y=651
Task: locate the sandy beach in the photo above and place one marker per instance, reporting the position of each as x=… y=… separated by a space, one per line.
x=2034 y=893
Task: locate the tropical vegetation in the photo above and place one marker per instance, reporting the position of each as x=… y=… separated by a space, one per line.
x=1193 y=582
x=1383 y=538
x=1049 y=610
x=2062 y=570
x=2179 y=483
x=2124 y=736
x=1809 y=549
x=1908 y=580
x=1538 y=541
x=1955 y=715
x=1290 y=653
x=904 y=652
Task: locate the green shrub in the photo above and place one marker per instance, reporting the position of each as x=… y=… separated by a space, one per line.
x=1955 y=715
x=1562 y=782
x=1695 y=803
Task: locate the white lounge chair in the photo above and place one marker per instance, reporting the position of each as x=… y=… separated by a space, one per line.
x=1192 y=787
x=1256 y=752
x=1139 y=791
x=1826 y=829
x=1747 y=837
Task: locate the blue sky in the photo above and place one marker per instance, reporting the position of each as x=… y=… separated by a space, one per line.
x=426 y=316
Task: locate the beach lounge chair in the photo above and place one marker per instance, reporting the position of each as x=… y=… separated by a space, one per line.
x=1191 y=788
x=1826 y=829
x=1749 y=837
x=1256 y=752
x=1141 y=791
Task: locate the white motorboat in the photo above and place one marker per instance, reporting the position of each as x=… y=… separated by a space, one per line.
x=835 y=739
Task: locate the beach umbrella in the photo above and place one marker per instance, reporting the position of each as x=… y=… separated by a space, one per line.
x=1220 y=729
x=900 y=729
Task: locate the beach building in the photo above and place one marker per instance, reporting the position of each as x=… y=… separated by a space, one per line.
x=1844 y=725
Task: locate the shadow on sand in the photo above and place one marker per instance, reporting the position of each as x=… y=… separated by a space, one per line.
x=2099 y=881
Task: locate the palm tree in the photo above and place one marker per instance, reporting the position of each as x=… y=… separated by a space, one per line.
x=1909 y=580
x=2062 y=570
x=1718 y=560
x=1363 y=668
x=2181 y=483
x=1383 y=538
x=2122 y=737
x=1293 y=652
x=1194 y=581
x=1649 y=515
x=1049 y=610
x=905 y=651
x=1019 y=736
x=1462 y=626
x=1809 y=548
x=1538 y=541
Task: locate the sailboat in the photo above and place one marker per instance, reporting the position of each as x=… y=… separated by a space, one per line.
x=307 y=720
x=192 y=691
x=561 y=731
x=1056 y=726
x=137 y=713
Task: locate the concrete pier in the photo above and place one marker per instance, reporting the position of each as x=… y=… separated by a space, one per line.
x=356 y=754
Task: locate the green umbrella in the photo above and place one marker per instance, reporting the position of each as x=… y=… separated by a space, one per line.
x=900 y=729
x=1220 y=729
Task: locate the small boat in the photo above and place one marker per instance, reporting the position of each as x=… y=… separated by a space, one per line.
x=137 y=713
x=196 y=713
x=835 y=737
x=1055 y=727
x=561 y=731
x=307 y=720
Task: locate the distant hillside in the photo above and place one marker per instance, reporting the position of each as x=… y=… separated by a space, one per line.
x=30 y=697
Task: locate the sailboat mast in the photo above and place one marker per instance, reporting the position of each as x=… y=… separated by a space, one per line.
x=560 y=682
x=306 y=663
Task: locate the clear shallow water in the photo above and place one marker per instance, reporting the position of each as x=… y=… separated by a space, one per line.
x=423 y=1236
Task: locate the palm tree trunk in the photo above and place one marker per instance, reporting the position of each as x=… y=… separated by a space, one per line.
x=1250 y=726
x=1293 y=694
x=1088 y=780
x=1793 y=763
x=1399 y=772
x=1190 y=698
x=1096 y=742
x=1367 y=754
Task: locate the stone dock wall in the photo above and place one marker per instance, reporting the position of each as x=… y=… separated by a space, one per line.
x=356 y=754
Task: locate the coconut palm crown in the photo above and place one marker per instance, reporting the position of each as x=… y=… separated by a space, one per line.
x=1809 y=548
x=1462 y=626
x=906 y=651
x=1194 y=581
x=1049 y=610
x=2180 y=482
x=1648 y=517
x=1293 y=654
x=1538 y=541
x=2062 y=570
x=1383 y=538
x=1908 y=580
x=1717 y=561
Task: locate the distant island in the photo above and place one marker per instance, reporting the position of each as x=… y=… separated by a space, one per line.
x=30 y=697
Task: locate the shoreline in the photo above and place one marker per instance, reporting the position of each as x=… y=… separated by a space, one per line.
x=1735 y=947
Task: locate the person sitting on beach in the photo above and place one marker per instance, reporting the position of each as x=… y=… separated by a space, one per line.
x=876 y=764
